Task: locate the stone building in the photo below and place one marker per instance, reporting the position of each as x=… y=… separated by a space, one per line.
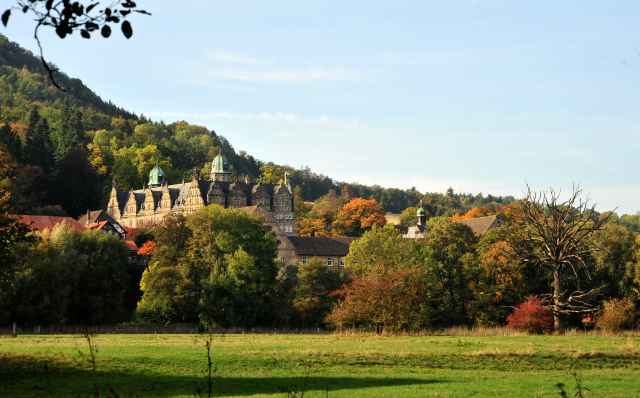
x=149 y=205
x=329 y=250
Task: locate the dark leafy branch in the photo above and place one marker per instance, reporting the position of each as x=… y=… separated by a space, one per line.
x=66 y=17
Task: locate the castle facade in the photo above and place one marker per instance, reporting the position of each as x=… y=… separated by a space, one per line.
x=150 y=205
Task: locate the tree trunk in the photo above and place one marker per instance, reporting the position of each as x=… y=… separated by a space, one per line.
x=558 y=301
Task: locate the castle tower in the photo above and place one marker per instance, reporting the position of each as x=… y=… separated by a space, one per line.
x=422 y=218
x=157 y=176
x=220 y=169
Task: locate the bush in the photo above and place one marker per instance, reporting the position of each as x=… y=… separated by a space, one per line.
x=531 y=317
x=616 y=315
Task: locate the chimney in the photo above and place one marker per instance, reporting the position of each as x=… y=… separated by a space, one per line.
x=88 y=216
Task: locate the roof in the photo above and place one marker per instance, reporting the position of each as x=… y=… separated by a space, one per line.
x=321 y=246
x=156 y=175
x=95 y=217
x=481 y=225
x=40 y=223
x=219 y=165
x=249 y=209
x=131 y=246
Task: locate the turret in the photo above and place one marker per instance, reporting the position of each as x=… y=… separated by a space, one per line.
x=157 y=176
x=220 y=169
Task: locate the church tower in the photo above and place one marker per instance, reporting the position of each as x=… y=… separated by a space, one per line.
x=220 y=169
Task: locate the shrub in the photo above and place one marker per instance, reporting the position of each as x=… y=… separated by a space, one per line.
x=616 y=315
x=531 y=317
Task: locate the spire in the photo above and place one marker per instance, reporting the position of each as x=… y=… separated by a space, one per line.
x=286 y=179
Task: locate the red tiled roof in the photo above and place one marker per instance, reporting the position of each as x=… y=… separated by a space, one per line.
x=131 y=245
x=40 y=223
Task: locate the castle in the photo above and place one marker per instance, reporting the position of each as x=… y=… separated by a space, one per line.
x=150 y=205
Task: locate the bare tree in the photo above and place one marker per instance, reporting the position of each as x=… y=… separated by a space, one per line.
x=557 y=235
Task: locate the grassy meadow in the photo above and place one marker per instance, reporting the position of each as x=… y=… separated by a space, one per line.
x=339 y=365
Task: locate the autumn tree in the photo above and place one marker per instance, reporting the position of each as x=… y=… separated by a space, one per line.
x=271 y=174
x=557 y=235
x=358 y=216
x=396 y=299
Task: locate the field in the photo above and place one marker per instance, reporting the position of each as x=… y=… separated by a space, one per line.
x=347 y=365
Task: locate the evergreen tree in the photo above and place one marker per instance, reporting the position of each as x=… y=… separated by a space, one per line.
x=65 y=137
x=11 y=141
x=76 y=127
x=40 y=149
x=34 y=118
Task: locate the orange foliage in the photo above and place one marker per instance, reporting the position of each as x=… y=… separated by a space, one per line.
x=507 y=212
x=358 y=216
x=147 y=248
x=311 y=227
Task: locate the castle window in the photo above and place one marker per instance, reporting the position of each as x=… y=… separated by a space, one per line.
x=340 y=262
x=329 y=262
x=282 y=259
x=304 y=260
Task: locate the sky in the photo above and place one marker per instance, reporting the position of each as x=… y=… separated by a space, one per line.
x=480 y=96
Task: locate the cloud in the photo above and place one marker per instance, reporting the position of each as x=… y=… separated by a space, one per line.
x=227 y=56
x=290 y=76
x=274 y=117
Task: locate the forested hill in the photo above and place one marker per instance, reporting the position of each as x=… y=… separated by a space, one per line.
x=60 y=151
x=24 y=81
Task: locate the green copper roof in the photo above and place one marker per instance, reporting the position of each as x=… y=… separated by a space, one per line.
x=157 y=176
x=219 y=165
x=420 y=212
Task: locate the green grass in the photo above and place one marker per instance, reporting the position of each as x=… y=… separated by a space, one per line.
x=348 y=365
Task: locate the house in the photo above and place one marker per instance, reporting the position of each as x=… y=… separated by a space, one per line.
x=101 y=221
x=330 y=250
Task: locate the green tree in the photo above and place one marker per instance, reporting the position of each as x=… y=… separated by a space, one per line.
x=216 y=265
x=615 y=262
x=453 y=246
x=11 y=141
x=383 y=250
x=70 y=278
x=311 y=295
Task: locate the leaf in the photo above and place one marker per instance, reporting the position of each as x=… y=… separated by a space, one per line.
x=5 y=17
x=25 y=9
x=85 y=34
x=126 y=29
x=106 y=31
x=89 y=8
x=49 y=4
x=90 y=26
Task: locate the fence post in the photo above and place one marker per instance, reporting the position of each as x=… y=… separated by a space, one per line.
x=318 y=330
x=15 y=330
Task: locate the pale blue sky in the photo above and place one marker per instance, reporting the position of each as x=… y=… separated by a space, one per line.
x=480 y=96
